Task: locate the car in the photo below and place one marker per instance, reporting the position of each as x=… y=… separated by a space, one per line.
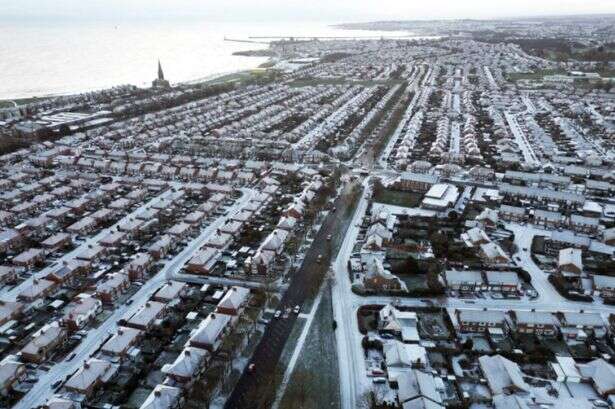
x=56 y=384
x=71 y=356
x=524 y=248
x=297 y=309
x=130 y=301
x=251 y=367
x=329 y=237
x=319 y=259
x=277 y=314
x=286 y=313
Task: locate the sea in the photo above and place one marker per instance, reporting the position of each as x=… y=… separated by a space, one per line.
x=57 y=57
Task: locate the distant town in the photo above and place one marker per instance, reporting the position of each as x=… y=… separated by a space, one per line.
x=388 y=223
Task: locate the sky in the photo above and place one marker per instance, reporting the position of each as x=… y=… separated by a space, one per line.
x=299 y=10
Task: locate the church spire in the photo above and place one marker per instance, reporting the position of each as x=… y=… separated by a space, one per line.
x=160 y=73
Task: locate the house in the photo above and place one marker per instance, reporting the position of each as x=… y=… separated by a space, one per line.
x=93 y=374
x=548 y=218
x=440 y=197
x=43 y=341
x=488 y=218
x=36 y=289
x=9 y=310
x=377 y=278
x=601 y=374
x=219 y=240
x=137 y=267
x=570 y=261
x=512 y=213
x=81 y=311
x=233 y=301
x=584 y=224
x=11 y=372
x=414 y=385
x=122 y=341
x=161 y=247
x=91 y=253
x=57 y=242
x=401 y=323
x=464 y=281
x=398 y=355
x=535 y=322
x=211 y=331
x=491 y=253
x=261 y=262
x=503 y=281
x=475 y=237
x=503 y=376
x=203 y=261
x=68 y=272
x=565 y=369
x=10 y=239
x=578 y=325
x=112 y=287
x=8 y=274
x=188 y=366
x=415 y=182
x=30 y=257
x=146 y=316
x=605 y=285
x=163 y=397
x=171 y=290
x=481 y=321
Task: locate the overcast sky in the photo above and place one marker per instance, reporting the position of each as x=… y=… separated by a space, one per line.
x=324 y=10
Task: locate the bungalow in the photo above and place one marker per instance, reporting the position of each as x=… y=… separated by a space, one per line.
x=601 y=374
x=180 y=230
x=92 y=253
x=261 y=261
x=398 y=355
x=112 y=239
x=475 y=237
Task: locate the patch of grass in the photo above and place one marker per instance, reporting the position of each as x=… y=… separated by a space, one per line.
x=398 y=198
x=314 y=383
